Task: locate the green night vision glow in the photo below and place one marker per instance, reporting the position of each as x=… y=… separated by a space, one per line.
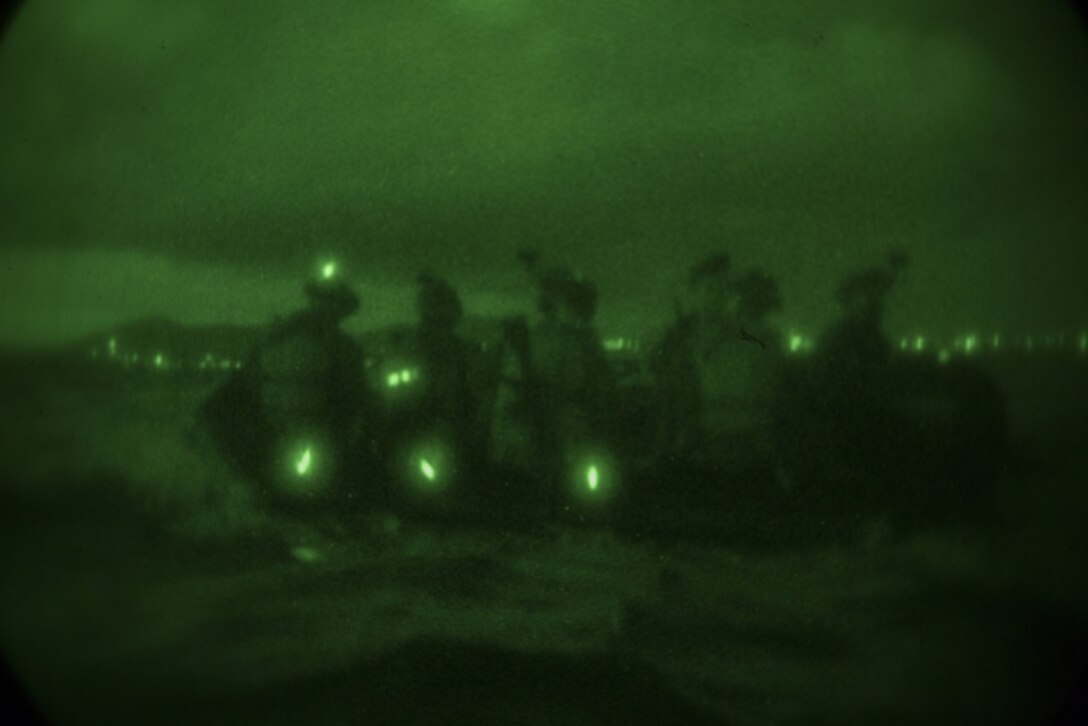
x=593 y=478
x=393 y=379
x=305 y=462
x=328 y=271
x=427 y=469
x=306 y=554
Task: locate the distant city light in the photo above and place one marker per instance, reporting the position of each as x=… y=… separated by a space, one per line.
x=328 y=270
x=393 y=379
x=796 y=341
x=113 y=347
x=159 y=360
x=920 y=343
x=593 y=478
x=969 y=343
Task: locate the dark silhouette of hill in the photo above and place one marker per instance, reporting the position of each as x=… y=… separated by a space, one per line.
x=175 y=341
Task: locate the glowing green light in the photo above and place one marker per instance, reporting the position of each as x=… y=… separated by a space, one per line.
x=393 y=379
x=304 y=463
x=944 y=356
x=920 y=343
x=593 y=478
x=405 y=375
x=969 y=343
x=306 y=554
x=795 y=343
x=328 y=271
x=903 y=343
x=997 y=341
x=113 y=347
x=159 y=360
x=427 y=469
x=613 y=344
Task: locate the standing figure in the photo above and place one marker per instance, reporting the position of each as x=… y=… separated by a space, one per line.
x=739 y=359
x=442 y=425
x=299 y=414
x=851 y=390
x=557 y=396
x=854 y=351
x=702 y=315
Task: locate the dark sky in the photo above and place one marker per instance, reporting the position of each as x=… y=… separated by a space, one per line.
x=194 y=158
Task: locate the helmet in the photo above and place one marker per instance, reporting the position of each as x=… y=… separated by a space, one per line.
x=332 y=299
x=439 y=303
x=759 y=294
x=868 y=287
x=560 y=285
x=715 y=266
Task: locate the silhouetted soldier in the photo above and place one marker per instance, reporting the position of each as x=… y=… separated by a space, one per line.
x=854 y=350
x=449 y=404
x=306 y=380
x=678 y=407
x=739 y=368
x=851 y=388
x=557 y=392
x=702 y=314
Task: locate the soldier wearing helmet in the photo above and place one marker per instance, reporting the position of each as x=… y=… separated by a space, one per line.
x=701 y=313
x=557 y=387
x=448 y=402
x=717 y=365
x=854 y=348
x=306 y=377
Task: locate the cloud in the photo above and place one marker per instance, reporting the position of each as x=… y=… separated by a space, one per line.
x=630 y=138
